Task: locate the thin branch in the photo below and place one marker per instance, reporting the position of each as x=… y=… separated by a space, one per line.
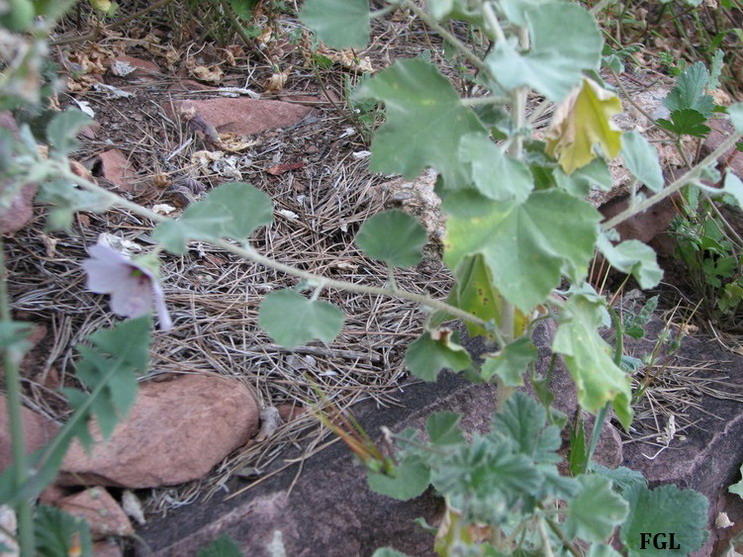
x=690 y=176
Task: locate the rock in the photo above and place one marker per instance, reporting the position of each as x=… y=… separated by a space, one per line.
x=116 y=168
x=240 y=116
x=20 y=211
x=134 y=68
x=107 y=549
x=38 y=431
x=8 y=525
x=101 y=511
x=176 y=432
x=732 y=158
x=290 y=412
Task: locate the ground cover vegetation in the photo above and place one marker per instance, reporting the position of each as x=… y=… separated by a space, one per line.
x=519 y=241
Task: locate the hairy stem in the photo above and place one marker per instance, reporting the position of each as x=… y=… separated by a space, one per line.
x=251 y=254
x=15 y=421
x=687 y=178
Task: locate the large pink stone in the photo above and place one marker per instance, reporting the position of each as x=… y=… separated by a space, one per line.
x=37 y=432
x=242 y=116
x=177 y=431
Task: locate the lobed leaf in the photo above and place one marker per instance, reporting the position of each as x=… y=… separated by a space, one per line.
x=587 y=357
x=685 y=122
x=291 y=320
x=496 y=175
x=59 y=534
x=633 y=257
x=735 y=111
x=665 y=509
x=579 y=183
x=443 y=429
x=425 y=122
x=556 y=60
x=393 y=237
x=231 y=210
x=474 y=292
x=412 y=477
x=62 y=131
x=426 y=356
x=582 y=122
x=510 y=363
x=595 y=511
x=689 y=91
x=529 y=243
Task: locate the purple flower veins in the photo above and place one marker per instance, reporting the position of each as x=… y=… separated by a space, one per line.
x=134 y=288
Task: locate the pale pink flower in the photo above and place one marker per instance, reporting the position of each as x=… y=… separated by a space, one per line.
x=134 y=288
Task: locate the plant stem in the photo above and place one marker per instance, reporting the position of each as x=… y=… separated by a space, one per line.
x=471 y=57
x=15 y=421
x=248 y=252
x=692 y=175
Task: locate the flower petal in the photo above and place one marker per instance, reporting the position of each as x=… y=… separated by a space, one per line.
x=166 y=323
x=133 y=298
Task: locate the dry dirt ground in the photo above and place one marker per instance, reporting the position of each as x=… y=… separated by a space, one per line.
x=316 y=168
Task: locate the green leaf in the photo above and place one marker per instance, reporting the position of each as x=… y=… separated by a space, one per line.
x=556 y=60
x=474 y=292
x=522 y=421
x=393 y=237
x=108 y=367
x=338 y=23
x=715 y=70
x=243 y=8
x=685 y=122
x=734 y=187
x=425 y=122
x=58 y=533
x=665 y=509
x=689 y=92
x=223 y=546
x=737 y=488
x=528 y=243
x=595 y=175
x=426 y=356
x=65 y=200
x=497 y=175
x=510 y=363
x=602 y=550
x=231 y=210
x=632 y=257
x=291 y=320
x=411 y=478
x=14 y=338
x=516 y=10
x=587 y=357
x=595 y=511
x=622 y=477
x=388 y=552
x=641 y=159
x=443 y=429
x=735 y=111
x=62 y=130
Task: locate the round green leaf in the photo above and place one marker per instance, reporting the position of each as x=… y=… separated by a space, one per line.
x=393 y=237
x=291 y=320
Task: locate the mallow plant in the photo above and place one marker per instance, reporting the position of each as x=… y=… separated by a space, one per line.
x=519 y=239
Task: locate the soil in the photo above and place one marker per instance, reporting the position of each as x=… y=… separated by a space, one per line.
x=214 y=297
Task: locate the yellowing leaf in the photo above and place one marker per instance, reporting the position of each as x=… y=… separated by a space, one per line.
x=582 y=121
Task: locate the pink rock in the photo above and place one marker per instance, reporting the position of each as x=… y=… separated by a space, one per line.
x=38 y=431
x=176 y=432
x=21 y=209
x=290 y=412
x=101 y=511
x=241 y=116
x=144 y=69
x=116 y=168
